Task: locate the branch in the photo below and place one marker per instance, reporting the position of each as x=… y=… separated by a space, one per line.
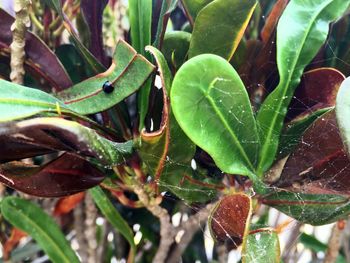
x=334 y=243
x=189 y=228
x=19 y=29
x=167 y=230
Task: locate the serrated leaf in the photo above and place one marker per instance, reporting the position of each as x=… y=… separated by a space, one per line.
x=209 y=100
x=301 y=31
x=219 y=27
x=33 y=220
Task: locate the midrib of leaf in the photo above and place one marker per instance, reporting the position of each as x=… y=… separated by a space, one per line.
x=234 y=137
x=32 y=223
x=27 y=102
x=286 y=83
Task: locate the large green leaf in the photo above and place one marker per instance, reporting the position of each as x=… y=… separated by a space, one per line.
x=113 y=216
x=33 y=220
x=220 y=26
x=301 y=31
x=193 y=7
x=18 y=102
x=342 y=110
x=211 y=105
x=262 y=245
x=314 y=209
x=127 y=74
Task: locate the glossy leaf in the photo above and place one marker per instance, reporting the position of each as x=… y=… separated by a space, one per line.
x=66 y=175
x=175 y=48
x=114 y=218
x=230 y=219
x=220 y=26
x=40 y=60
x=127 y=73
x=193 y=7
x=301 y=31
x=18 y=102
x=262 y=245
x=318 y=164
x=63 y=135
x=208 y=90
x=314 y=209
x=343 y=113
x=33 y=220
x=92 y=12
x=95 y=65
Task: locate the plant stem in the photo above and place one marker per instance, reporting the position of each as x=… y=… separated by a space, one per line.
x=19 y=29
x=334 y=244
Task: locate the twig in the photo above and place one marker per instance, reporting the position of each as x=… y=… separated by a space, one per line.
x=189 y=228
x=288 y=253
x=167 y=230
x=19 y=29
x=334 y=244
x=90 y=232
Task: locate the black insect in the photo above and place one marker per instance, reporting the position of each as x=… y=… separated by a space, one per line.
x=107 y=87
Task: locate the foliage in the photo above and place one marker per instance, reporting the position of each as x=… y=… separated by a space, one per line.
x=215 y=110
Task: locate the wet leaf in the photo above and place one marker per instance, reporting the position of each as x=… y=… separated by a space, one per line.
x=66 y=175
x=62 y=135
x=230 y=219
x=114 y=218
x=314 y=209
x=219 y=27
x=208 y=90
x=262 y=245
x=301 y=31
x=33 y=220
x=126 y=74
x=40 y=60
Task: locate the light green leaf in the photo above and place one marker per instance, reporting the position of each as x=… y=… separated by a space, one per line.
x=33 y=220
x=209 y=100
x=262 y=245
x=127 y=74
x=342 y=110
x=113 y=217
x=220 y=26
x=301 y=31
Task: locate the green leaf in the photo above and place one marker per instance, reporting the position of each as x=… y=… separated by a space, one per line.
x=140 y=17
x=95 y=65
x=301 y=31
x=220 y=26
x=262 y=245
x=127 y=74
x=113 y=217
x=167 y=7
x=63 y=135
x=18 y=102
x=342 y=110
x=314 y=209
x=209 y=100
x=175 y=48
x=33 y=220
x=193 y=7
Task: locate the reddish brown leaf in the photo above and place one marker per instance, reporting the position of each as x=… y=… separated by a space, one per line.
x=319 y=164
x=40 y=60
x=12 y=242
x=63 y=176
x=229 y=221
x=271 y=22
x=318 y=89
x=67 y=204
